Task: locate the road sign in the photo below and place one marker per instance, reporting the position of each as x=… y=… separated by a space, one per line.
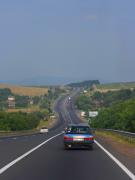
x=93 y=113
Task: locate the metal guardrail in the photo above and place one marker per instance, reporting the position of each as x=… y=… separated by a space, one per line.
x=122 y=133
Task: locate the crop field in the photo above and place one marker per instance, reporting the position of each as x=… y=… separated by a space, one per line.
x=115 y=86
x=30 y=109
x=25 y=91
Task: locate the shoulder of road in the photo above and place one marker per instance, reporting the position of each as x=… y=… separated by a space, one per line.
x=124 y=151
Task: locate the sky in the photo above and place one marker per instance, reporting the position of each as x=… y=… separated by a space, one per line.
x=75 y=39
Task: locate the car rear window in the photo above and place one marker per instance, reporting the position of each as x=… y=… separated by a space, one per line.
x=78 y=130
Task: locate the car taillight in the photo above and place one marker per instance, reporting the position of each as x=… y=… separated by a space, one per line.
x=68 y=138
x=89 y=138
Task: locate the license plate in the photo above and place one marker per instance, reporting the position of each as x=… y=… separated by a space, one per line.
x=78 y=139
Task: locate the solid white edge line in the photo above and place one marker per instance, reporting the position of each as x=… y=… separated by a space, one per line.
x=2 y=170
x=123 y=167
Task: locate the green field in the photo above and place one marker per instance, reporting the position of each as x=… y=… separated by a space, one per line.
x=116 y=86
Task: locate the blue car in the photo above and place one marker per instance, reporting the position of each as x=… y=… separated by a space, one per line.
x=78 y=135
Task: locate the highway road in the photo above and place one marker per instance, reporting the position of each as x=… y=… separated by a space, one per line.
x=42 y=157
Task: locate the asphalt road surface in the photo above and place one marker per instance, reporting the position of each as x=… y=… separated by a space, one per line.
x=42 y=157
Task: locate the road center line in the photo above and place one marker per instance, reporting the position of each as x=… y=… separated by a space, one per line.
x=2 y=170
x=123 y=167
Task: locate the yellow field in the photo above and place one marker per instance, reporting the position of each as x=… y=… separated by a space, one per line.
x=26 y=91
x=28 y=110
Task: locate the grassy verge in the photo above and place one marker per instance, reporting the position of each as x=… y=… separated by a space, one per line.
x=43 y=123
x=116 y=137
x=17 y=133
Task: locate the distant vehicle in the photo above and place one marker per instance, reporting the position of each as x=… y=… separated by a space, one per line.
x=44 y=130
x=78 y=135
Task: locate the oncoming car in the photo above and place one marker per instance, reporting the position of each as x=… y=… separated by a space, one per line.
x=44 y=130
x=78 y=135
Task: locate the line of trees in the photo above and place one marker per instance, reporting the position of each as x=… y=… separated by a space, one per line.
x=85 y=84
x=99 y=100
x=111 y=97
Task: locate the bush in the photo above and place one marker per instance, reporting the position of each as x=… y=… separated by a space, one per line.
x=18 y=121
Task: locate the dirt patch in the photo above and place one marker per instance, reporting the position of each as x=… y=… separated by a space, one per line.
x=125 y=149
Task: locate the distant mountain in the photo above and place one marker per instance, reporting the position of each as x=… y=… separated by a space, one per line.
x=41 y=81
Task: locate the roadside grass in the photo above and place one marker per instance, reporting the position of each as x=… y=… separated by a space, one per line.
x=116 y=137
x=43 y=123
x=17 y=133
x=25 y=91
